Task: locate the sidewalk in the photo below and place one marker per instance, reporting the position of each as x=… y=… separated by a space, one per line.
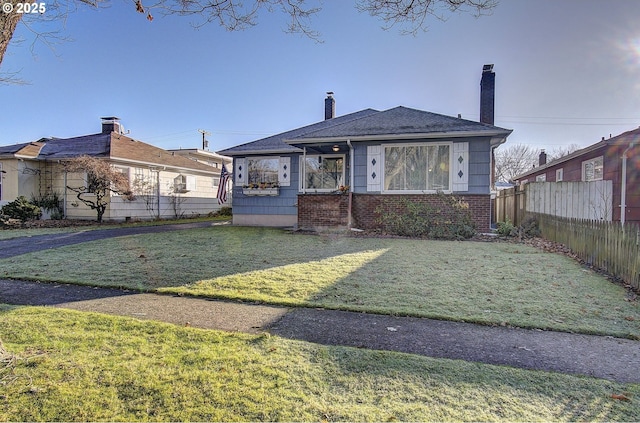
x=598 y=356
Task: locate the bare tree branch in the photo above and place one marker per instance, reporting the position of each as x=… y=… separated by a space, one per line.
x=236 y=15
x=412 y=15
x=514 y=160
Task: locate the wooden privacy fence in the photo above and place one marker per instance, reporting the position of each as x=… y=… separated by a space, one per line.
x=582 y=200
x=605 y=245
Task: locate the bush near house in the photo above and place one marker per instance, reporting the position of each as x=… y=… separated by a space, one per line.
x=448 y=218
x=21 y=209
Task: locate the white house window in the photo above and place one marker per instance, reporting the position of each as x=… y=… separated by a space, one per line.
x=592 y=170
x=541 y=178
x=263 y=170
x=180 y=184
x=323 y=172
x=0 y=181
x=417 y=168
x=559 y=175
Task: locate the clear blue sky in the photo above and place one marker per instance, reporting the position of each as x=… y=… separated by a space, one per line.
x=566 y=72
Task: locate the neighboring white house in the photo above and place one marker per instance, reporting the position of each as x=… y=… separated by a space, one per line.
x=166 y=184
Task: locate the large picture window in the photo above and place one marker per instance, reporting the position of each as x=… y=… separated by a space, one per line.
x=417 y=168
x=263 y=170
x=323 y=173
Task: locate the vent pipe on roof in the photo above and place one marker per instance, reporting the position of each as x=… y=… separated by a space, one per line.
x=329 y=106
x=487 y=94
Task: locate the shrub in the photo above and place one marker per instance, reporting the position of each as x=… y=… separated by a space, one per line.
x=50 y=202
x=225 y=211
x=529 y=228
x=21 y=209
x=505 y=228
x=450 y=219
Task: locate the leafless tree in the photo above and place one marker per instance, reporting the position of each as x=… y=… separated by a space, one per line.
x=559 y=152
x=102 y=179
x=233 y=15
x=514 y=160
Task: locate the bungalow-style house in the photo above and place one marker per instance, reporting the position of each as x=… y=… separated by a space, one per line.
x=164 y=184
x=616 y=159
x=336 y=172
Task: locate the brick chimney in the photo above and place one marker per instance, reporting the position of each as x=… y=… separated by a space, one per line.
x=329 y=106
x=487 y=94
x=111 y=124
x=542 y=159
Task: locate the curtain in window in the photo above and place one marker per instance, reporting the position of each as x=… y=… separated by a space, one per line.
x=416 y=168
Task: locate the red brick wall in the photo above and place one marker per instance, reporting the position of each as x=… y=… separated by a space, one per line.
x=365 y=205
x=331 y=210
x=322 y=210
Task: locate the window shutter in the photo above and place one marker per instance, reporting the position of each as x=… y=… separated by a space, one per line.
x=240 y=171
x=284 y=172
x=191 y=183
x=461 y=166
x=374 y=159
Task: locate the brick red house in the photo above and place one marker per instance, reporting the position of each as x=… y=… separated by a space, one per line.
x=295 y=178
x=616 y=159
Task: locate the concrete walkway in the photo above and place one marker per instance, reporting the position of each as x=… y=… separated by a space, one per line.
x=598 y=356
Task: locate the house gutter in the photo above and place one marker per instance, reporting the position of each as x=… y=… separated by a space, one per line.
x=351 y=182
x=623 y=188
x=503 y=134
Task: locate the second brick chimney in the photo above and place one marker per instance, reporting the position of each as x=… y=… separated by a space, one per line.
x=329 y=106
x=487 y=94
x=542 y=159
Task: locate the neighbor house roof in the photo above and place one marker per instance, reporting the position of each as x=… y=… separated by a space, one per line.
x=108 y=145
x=397 y=123
x=626 y=138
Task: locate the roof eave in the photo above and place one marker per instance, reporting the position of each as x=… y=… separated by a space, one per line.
x=254 y=152
x=501 y=135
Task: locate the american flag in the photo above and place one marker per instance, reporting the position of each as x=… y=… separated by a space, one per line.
x=222 y=188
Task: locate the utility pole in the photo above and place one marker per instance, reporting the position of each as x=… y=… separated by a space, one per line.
x=205 y=143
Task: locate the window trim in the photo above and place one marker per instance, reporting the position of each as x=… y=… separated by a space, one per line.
x=559 y=174
x=383 y=158
x=303 y=168
x=584 y=165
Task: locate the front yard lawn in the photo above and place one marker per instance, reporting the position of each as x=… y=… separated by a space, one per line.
x=62 y=365
x=489 y=283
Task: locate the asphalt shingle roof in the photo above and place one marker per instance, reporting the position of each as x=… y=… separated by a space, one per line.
x=401 y=121
x=275 y=143
x=393 y=122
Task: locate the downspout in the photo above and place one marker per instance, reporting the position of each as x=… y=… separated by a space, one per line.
x=64 y=201
x=304 y=169
x=351 y=181
x=623 y=188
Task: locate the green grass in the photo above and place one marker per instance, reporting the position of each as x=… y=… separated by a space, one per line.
x=90 y=367
x=16 y=233
x=489 y=283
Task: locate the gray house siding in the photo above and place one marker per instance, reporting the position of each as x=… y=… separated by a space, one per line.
x=285 y=203
x=479 y=166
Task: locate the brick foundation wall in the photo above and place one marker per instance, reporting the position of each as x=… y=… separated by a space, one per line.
x=317 y=211
x=331 y=210
x=364 y=207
